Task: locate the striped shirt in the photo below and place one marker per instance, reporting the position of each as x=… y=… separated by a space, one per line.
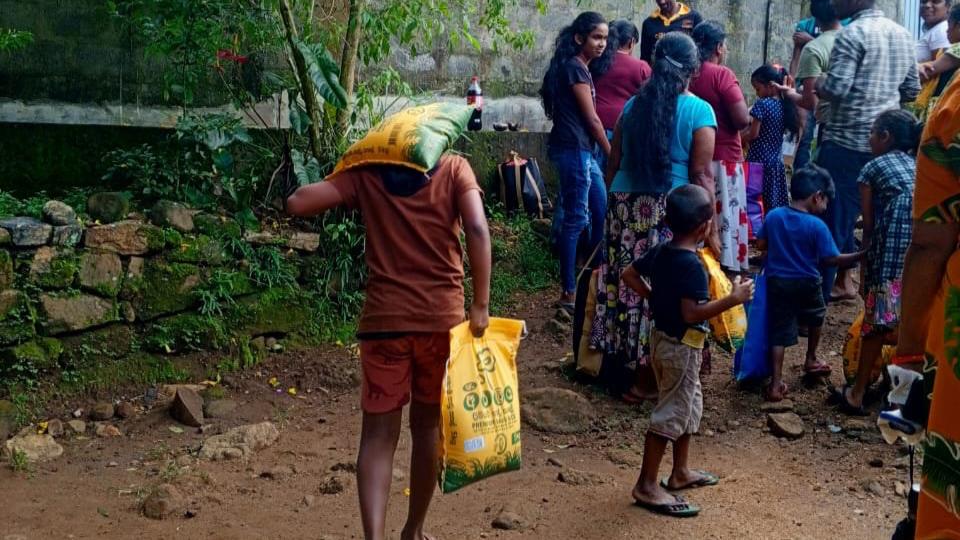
x=872 y=69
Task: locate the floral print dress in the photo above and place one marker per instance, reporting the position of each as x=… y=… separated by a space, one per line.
x=891 y=179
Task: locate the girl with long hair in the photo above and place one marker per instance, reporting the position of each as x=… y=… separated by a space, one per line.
x=773 y=116
x=664 y=139
x=569 y=100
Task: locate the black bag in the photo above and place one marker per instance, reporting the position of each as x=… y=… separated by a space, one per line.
x=520 y=186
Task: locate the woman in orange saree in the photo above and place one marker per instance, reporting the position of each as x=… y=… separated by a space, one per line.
x=930 y=323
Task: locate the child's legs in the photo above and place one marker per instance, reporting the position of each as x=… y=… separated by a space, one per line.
x=782 y=328
x=811 y=311
x=680 y=407
x=574 y=171
x=871 y=348
x=378 y=443
x=430 y=353
x=681 y=473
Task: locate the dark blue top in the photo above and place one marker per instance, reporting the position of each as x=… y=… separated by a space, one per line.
x=569 y=127
x=674 y=274
x=797 y=242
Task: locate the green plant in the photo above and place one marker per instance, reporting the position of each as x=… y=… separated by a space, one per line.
x=145 y=169
x=12 y=40
x=19 y=462
x=216 y=293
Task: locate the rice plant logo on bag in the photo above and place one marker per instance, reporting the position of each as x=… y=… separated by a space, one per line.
x=481 y=408
x=415 y=137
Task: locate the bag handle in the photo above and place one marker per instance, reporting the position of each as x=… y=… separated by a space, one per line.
x=536 y=191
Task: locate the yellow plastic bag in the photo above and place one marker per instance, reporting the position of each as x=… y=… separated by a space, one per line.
x=730 y=327
x=589 y=361
x=851 y=352
x=481 y=405
x=415 y=137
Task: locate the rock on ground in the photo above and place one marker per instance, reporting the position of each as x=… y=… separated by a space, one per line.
x=162 y=502
x=126 y=410
x=786 y=424
x=627 y=458
x=187 y=408
x=36 y=448
x=55 y=428
x=107 y=430
x=240 y=442
x=785 y=405
x=575 y=477
x=220 y=408
x=557 y=410
x=172 y=214
x=59 y=213
x=333 y=484
x=77 y=426
x=8 y=417
x=102 y=411
x=507 y=520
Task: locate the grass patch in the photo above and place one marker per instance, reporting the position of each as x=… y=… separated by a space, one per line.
x=19 y=462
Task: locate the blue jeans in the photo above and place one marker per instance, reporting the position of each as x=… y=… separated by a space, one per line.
x=844 y=166
x=806 y=140
x=600 y=156
x=583 y=202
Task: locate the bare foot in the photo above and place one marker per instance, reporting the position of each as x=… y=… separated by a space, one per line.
x=655 y=495
x=567 y=298
x=682 y=479
x=420 y=535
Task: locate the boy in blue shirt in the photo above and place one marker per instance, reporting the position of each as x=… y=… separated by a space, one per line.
x=677 y=292
x=798 y=244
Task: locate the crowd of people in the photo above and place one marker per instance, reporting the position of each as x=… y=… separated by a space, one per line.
x=653 y=177
x=655 y=155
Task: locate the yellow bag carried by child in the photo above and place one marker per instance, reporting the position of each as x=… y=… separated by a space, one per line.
x=415 y=137
x=481 y=405
x=730 y=327
x=851 y=352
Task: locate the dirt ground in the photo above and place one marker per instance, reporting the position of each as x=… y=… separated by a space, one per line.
x=816 y=487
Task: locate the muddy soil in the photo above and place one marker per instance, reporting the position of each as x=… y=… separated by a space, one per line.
x=823 y=485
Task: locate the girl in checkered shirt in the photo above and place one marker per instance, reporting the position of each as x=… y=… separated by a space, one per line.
x=886 y=192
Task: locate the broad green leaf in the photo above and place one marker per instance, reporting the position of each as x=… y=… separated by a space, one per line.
x=299 y=119
x=324 y=72
x=306 y=169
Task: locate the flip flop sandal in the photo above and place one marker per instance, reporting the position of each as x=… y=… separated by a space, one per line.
x=820 y=368
x=706 y=479
x=845 y=407
x=679 y=509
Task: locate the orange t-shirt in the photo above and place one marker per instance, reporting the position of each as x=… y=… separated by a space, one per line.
x=413 y=249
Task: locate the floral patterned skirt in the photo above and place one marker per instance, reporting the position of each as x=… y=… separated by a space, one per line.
x=621 y=326
x=881 y=308
x=732 y=214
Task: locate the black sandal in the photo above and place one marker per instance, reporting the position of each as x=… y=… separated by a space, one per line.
x=839 y=400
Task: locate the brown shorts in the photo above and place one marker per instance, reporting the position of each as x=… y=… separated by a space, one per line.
x=396 y=368
x=677 y=369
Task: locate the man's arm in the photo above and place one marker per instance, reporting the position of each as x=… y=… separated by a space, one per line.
x=478 y=250
x=910 y=87
x=314 y=199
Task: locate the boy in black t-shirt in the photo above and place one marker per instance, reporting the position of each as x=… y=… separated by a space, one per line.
x=677 y=291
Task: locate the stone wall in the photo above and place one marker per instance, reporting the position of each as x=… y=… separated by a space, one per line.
x=77 y=291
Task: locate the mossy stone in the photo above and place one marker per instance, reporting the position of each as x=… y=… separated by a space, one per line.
x=108 y=207
x=217 y=226
x=275 y=311
x=163 y=288
x=41 y=353
x=17 y=318
x=185 y=332
x=111 y=342
x=54 y=269
x=6 y=269
x=200 y=249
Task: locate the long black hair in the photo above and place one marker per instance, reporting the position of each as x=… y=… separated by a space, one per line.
x=621 y=32
x=566 y=48
x=769 y=73
x=708 y=35
x=649 y=124
x=903 y=127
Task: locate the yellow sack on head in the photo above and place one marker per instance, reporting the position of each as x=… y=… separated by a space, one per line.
x=415 y=137
x=851 y=352
x=729 y=327
x=481 y=405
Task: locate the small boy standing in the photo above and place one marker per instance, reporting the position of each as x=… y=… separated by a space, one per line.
x=678 y=294
x=414 y=296
x=798 y=244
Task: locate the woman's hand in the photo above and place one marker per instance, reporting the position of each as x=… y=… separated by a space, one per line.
x=927 y=71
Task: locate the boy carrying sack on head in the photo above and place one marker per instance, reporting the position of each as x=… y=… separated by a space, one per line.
x=414 y=296
x=798 y=244
x=674 y=280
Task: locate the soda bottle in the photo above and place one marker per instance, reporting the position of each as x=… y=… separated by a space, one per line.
x=475 y=97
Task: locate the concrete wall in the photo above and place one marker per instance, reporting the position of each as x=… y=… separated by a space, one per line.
x=81 y=55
